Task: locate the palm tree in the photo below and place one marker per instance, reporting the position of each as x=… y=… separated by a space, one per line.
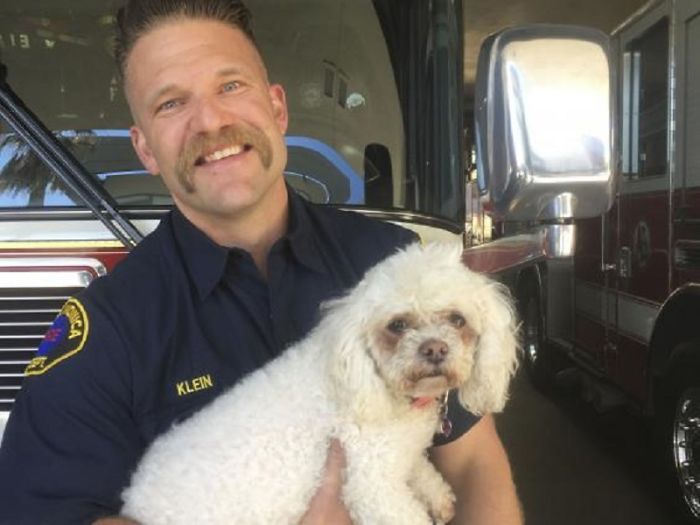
x=21 y=170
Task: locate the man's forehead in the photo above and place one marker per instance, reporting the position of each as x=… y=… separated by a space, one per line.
x=185 y=44
x=176 y=40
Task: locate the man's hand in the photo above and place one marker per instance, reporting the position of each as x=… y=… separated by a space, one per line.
x=476 y=466
x=327 y=505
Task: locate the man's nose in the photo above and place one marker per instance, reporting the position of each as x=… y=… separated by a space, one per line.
x=209 y=116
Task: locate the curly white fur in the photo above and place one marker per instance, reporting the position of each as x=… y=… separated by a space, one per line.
x=419 y=323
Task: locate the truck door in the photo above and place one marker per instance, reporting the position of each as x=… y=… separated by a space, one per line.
x=686 y=202
x=641 y=235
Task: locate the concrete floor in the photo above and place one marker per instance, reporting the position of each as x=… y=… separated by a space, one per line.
x=575 y=467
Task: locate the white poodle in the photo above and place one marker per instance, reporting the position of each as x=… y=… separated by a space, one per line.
x=371 y=374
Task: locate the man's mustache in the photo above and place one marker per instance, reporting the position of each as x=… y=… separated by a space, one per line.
x=206 y=143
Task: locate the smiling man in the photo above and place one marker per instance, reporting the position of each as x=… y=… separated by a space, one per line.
x=218 y=142
x=230 y=278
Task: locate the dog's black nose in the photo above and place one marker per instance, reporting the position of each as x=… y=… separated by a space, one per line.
x=433 y=350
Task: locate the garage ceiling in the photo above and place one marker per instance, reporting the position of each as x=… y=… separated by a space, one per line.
x=483 y=17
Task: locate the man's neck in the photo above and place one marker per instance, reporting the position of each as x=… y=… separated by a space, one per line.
x=254 y=230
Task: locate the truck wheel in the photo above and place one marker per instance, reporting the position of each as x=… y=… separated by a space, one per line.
x=678 y=432
x=686 y=447
x=537 y=356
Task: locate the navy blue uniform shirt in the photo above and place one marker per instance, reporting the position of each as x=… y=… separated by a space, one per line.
x=178 y=321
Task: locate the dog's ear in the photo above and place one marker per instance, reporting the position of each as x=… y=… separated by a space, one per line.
x=495 y=358
x=355 y=382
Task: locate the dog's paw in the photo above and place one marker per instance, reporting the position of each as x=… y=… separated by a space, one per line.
x=443 y=510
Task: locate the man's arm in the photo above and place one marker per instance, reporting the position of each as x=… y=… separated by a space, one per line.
x=477 y=468
x=71 y=432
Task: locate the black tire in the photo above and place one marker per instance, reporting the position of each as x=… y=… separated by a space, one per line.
x=537 y=355
x=678 y=434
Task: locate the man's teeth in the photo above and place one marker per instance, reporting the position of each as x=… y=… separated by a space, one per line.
x=223 y=153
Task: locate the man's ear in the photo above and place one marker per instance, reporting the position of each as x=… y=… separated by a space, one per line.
x=138 y=141
x=279 y=106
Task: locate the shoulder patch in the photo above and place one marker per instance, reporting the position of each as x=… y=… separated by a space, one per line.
x=64 y=339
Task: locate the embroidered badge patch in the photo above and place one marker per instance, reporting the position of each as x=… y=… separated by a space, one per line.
x=65 y=338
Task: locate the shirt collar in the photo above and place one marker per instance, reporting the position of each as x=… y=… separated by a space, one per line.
x=301 y=234
x=206 y=261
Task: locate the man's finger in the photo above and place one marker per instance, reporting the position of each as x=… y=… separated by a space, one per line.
x=327 y=506
x=335 y=463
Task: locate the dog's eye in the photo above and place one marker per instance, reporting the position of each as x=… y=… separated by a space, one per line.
x=456 y=320
x=397 y=326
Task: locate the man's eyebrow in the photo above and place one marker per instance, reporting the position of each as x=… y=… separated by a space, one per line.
x=229 y=71
x=160 y=93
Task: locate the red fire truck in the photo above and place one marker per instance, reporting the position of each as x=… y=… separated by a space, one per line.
x=619 y=314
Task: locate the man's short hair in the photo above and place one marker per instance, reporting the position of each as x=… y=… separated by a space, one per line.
x=138 y=17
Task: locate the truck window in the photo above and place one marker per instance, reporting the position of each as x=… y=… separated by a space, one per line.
x=645 y=103
x=24 y=180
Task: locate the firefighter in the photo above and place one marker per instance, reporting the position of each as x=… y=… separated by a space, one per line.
x=229 y=279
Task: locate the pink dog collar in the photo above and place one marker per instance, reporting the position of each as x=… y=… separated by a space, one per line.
x=420 y=402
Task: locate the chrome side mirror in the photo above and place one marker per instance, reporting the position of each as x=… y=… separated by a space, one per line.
x=544 y=123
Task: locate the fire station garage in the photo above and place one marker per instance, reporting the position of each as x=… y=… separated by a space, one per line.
x=553 y=143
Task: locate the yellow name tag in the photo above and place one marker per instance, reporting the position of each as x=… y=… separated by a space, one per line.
x=196 y=384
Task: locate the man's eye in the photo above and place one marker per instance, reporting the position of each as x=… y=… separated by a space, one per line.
x=168 y=105
x=397 y=326
x=230 y=86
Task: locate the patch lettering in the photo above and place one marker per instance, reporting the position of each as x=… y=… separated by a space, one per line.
x=196 y=384
x=64 y=339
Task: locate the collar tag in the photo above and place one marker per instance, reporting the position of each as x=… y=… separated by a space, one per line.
x=445 y=423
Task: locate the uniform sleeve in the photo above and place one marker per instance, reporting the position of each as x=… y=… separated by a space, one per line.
x=70 y=442
x=406 y=237
x=388 y=239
